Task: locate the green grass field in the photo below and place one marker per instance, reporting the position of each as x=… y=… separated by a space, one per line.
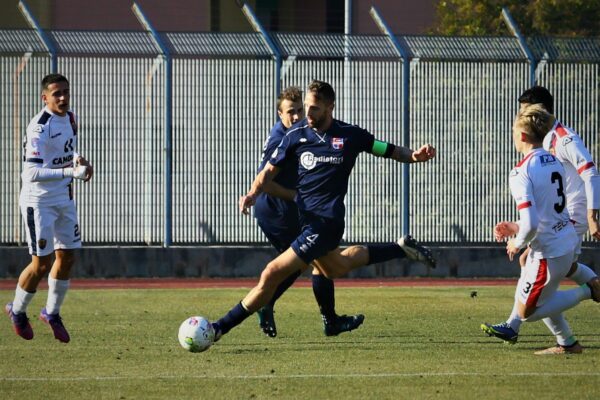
x=415 y=343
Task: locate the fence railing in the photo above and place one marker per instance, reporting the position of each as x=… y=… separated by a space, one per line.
x=462 y=98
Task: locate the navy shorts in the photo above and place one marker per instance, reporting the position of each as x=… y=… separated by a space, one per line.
x=278 y=220
x=318 y=237
x=281 y=237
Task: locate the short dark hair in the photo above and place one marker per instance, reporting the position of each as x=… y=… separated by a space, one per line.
x=53 y=78
x=292 y=93
x=322 y=91
x=538 y=95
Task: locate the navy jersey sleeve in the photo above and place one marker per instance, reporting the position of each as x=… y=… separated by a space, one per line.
x=271 y=144
x=283 y=152
x=365 y=141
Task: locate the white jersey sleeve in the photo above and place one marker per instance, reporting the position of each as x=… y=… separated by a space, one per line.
x=522 y=190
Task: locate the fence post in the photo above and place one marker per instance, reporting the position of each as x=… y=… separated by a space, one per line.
x=168 y=239
x=512 y=25
x=404 y=55
x=24 y=8
x=275 y=53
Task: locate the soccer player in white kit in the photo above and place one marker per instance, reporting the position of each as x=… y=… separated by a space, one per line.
x=50 y=163
x=582 y=188
x=537 y=185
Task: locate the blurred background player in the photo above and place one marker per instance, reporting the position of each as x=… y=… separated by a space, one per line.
x=277 y=216
x=50 y=163
x=537 y=185
x=582 y=189
x=326 y=150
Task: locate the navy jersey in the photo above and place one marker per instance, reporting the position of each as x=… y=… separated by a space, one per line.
x=278 y=218
x=325 y=161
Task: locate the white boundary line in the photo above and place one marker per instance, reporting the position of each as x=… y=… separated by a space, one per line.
x=307 y=376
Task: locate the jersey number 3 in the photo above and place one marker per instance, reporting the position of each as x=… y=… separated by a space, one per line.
x=560 y=206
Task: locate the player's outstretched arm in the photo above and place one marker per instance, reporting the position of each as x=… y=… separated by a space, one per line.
x=258 y=186
x=406 y=155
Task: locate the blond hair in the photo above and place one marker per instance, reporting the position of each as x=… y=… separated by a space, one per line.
x=535 y=121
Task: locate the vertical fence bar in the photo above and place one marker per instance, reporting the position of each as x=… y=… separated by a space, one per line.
x=168 y=122
x=384 y=28
x=512 y=25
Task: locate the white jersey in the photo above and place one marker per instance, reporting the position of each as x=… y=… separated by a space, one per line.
x=537 y=181
x=582 y=182
x=50 y=144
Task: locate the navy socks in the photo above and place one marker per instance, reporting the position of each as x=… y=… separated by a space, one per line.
x=233 y=318
x=382 y=252
x=324 y=291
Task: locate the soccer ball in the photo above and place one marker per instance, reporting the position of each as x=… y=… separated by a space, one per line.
x=196 y=334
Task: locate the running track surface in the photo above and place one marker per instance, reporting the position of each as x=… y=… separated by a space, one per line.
x=203 y=283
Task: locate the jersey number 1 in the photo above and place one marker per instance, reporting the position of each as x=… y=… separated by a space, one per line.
x=559 y=207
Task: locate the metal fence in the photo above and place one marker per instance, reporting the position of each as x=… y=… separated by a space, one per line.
x=462 y=98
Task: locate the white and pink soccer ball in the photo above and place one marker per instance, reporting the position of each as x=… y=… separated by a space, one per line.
x=196 y=334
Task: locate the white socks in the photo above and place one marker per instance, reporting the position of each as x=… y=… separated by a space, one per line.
x=583 y=274
x=22 y=300
x=560 y=328
x=57 y=290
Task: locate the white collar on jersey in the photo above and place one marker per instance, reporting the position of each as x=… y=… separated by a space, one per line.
x=321 y=138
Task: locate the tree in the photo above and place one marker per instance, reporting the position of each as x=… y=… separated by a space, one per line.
x=534 y=17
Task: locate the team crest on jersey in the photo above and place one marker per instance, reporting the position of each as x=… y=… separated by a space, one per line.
x=337 y=143
x=42 y=244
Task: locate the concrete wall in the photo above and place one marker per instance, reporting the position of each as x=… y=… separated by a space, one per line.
x=116 y=262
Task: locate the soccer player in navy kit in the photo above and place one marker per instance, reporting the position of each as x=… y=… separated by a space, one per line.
x=50 y=163
x=326 y=150
x=278 y=219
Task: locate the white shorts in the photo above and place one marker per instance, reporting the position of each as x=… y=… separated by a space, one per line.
x=540 y=278
x=51 y=227
x=581 y=230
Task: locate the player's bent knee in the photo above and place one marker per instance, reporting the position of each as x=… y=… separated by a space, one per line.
x=572 y=270
x=272 y=275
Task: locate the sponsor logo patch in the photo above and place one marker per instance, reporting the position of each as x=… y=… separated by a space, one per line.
x=54 y=136
x=547 y=159
x=309 y=161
